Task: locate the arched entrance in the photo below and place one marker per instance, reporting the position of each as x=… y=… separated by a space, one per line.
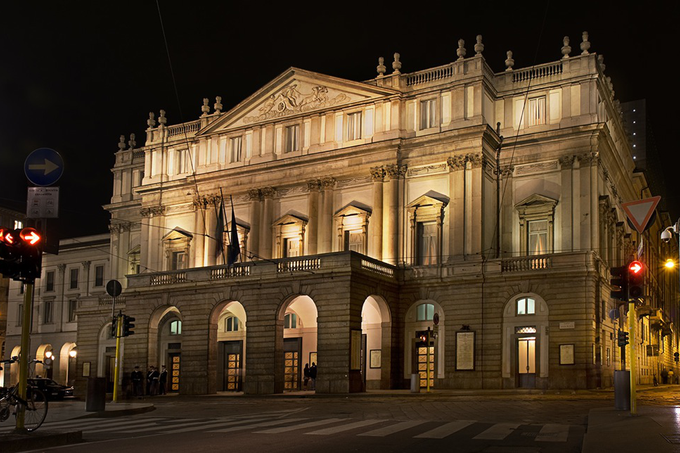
x=45 y=354
x=106 y=366
x=169 y=347
x=376 y=326
x=67 y=363
x=298 y=318
x=425 y=342
x=525 y=342
x=231 y=347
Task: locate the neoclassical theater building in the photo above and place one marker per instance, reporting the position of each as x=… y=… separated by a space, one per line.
x=451 y=227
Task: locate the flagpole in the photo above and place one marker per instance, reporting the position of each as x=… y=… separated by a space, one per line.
x=220 y=238
x=233 y=238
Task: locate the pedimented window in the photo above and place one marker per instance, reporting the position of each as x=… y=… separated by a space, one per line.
x=536 y=224
x=290 y=235
x=177 y=247
x=426 y=217
x=351 y=224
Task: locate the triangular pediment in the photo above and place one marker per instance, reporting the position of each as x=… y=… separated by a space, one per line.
x=536 y=200
x=177 y=233
x=295 y=92
x=291 y=219
x=354 y=208
x=429 y=199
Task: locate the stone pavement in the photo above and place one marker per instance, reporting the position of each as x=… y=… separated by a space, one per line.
x=653 y=428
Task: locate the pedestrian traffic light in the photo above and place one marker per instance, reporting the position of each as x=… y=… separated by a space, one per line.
x=635 y=279
x=128 y=325
x=21 y=253
x=619 y=283
x=623 y=338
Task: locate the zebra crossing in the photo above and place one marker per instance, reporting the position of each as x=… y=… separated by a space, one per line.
x=96 y=428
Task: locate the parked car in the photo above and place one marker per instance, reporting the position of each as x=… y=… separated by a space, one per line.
x=52 y=389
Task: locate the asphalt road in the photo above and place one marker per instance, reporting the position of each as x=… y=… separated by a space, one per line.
x=371 y=423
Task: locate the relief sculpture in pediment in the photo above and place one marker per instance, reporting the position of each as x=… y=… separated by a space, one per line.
x=290 y=101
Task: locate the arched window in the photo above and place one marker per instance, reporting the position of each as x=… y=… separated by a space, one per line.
x=231 y=324
x=290 y=321
x=176 y=327
x=525 y=306
x=424 y=312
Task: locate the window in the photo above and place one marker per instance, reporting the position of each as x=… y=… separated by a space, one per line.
x=292 y=138
x=176 y=327
x=526 y=306
x=290 y=321
x=74 y=279
x=134 y=260
x=18 y=224
x=47 y=312
x=351 y=223
x=99 y=276
x=236 y=149
x=427 y=113
x=49 y=281
x=354 y=241
x=424 y=312
x=354 y=126
x=20 y=314
x=538 y=237
x=289 y=231
x=291 y=247
x=182 y=164
x=178 y=261
x=231 y=324
x=72 y=307
x=536 y=111
x=426 y=248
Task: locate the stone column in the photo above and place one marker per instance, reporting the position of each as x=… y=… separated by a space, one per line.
x=200 y=204
x=210 y=257
x=566 y=205
x=456 y=207
x=325 y=240
x=473 y=204
x=390 y=214
x=376 y=225
x=508 y=225
x=266 y=225
x=314 y=187
x=255 y=198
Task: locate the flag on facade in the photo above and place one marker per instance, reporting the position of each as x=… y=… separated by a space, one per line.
x=233 y=249
x=219 y=230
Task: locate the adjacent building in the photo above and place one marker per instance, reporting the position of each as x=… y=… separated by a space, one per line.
x=453 y=225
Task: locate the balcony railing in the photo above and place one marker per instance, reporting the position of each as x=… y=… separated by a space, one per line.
x=529 y=263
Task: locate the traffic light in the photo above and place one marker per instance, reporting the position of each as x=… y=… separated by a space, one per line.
x=677 y=356
x=619 y=282
x=128 y=325
x=623 y=338
x=21 y=253
x=635 y=280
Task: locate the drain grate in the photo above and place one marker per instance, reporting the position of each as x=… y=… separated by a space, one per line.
x=672 y=438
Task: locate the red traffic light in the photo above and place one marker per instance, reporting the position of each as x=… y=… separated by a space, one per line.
x=30 y=236
x=635 y=267
x=8 y=236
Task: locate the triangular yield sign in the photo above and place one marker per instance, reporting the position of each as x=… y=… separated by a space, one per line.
x=639 y=212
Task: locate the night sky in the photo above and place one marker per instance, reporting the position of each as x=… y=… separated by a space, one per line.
x=74 y=76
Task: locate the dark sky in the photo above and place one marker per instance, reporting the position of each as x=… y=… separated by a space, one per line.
x=74 y=76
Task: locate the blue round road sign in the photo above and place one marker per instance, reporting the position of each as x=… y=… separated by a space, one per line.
x=44 y=167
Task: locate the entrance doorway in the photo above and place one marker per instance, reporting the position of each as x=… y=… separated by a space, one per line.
x=526 y=362
x=425 y=358
x=110 y=363
x=230 y=366
x=292 y=351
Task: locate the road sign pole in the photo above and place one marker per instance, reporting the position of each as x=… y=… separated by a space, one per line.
x=632 y=355
x=116 y=377
x=23 y=354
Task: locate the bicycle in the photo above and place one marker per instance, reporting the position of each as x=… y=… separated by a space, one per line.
x=34 y=406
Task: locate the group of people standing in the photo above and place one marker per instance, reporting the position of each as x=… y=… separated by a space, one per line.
x=309 y=374
x=155 y=381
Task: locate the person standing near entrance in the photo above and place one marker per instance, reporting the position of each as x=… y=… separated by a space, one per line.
x=163 y=379
x=306 y=376
x=312 y=375
x=136 y=378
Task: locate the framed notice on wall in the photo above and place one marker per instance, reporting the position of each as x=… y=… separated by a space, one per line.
x=465 y=350
x=376 y=356
x=567 y=354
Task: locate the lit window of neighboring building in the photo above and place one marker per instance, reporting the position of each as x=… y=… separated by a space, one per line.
x=99 y=276
x=354 y=126
x=18 y=224
x=176 y=327
x=74 y=279
x=49 y=281
x=526 y=306
x=424 y=312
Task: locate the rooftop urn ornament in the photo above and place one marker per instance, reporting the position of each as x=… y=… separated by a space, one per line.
x=381 y=67
x=205 y=108
x=162 y=120
x=396 y=64
x=585 y=45
x=218 y=104
x=566 y=48
x=121 y=143
x=509 y=62
x=132 y=143
x=479 y=47
x=151 y=122
x=461 y=49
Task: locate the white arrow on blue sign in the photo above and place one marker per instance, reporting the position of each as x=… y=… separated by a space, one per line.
x=44 y=167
